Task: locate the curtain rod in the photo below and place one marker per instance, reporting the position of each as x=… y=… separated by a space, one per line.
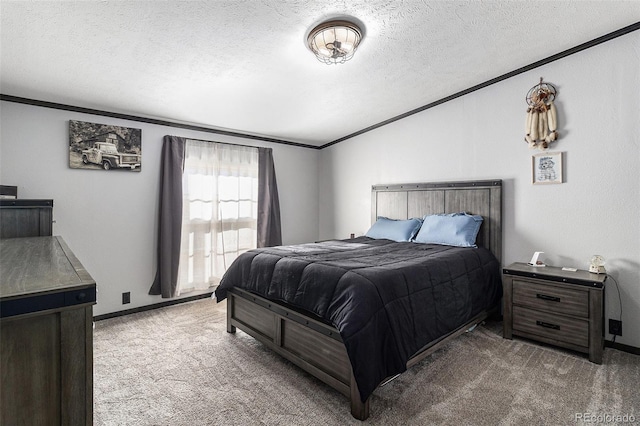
x=223 y=143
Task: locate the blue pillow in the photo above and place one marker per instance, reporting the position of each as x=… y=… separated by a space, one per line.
x=396 y=230
x=459 y=229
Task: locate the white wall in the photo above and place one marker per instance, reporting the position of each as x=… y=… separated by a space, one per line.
x=480 y=136
x=109 y=219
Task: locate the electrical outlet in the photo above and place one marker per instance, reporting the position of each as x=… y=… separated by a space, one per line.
x=615 y=327
x=126 y=298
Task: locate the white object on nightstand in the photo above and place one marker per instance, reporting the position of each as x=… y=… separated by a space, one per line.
x=597 y=265
x=535 y=259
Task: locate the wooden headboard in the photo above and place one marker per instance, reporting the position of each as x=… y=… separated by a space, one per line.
x=404 y=201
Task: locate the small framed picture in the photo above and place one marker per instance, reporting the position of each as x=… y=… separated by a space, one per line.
x=547 y=168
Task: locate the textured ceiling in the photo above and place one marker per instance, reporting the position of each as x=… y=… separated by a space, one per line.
x=244 y=66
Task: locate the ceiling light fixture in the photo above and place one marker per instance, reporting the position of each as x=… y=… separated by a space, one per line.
x=334 y=42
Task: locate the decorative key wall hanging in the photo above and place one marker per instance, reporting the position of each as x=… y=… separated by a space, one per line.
x=542 y=120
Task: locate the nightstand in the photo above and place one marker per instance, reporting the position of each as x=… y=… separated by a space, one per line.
x=553 y=306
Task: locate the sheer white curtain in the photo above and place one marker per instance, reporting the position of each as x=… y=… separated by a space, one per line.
x=219 y=211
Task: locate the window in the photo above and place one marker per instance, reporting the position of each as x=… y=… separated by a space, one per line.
x=223 y=200
x=220 y=210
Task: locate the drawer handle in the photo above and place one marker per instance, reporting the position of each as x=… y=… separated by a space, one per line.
x=547 y=325
x=549 y=298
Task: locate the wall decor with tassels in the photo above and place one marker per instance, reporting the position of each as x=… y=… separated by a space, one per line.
x=542 y=118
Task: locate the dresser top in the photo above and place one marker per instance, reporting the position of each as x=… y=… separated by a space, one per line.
x=20 y=202
x=38 y=265
x=554 y=273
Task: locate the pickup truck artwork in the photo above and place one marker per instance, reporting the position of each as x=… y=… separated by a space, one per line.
x=94 y=146
x=107 y=155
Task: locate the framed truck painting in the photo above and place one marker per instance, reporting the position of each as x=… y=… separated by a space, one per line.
x=547 y=168
x=104 y=147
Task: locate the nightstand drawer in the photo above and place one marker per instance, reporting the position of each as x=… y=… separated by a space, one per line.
x=550 y=298
x=552 y=326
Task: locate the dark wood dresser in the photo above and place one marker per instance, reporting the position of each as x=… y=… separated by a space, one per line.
x=46 y=328
x=555 y=306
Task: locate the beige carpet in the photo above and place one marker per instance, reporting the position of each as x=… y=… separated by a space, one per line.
x=179 y=366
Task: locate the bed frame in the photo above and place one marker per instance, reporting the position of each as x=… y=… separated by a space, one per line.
x=315 y=346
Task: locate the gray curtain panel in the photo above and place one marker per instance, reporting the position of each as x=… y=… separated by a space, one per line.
x=269 y=228
x=170 y=218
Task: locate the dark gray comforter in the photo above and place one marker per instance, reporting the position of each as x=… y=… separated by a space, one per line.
x=387 y=299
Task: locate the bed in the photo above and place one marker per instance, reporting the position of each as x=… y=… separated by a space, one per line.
x=356 y=313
